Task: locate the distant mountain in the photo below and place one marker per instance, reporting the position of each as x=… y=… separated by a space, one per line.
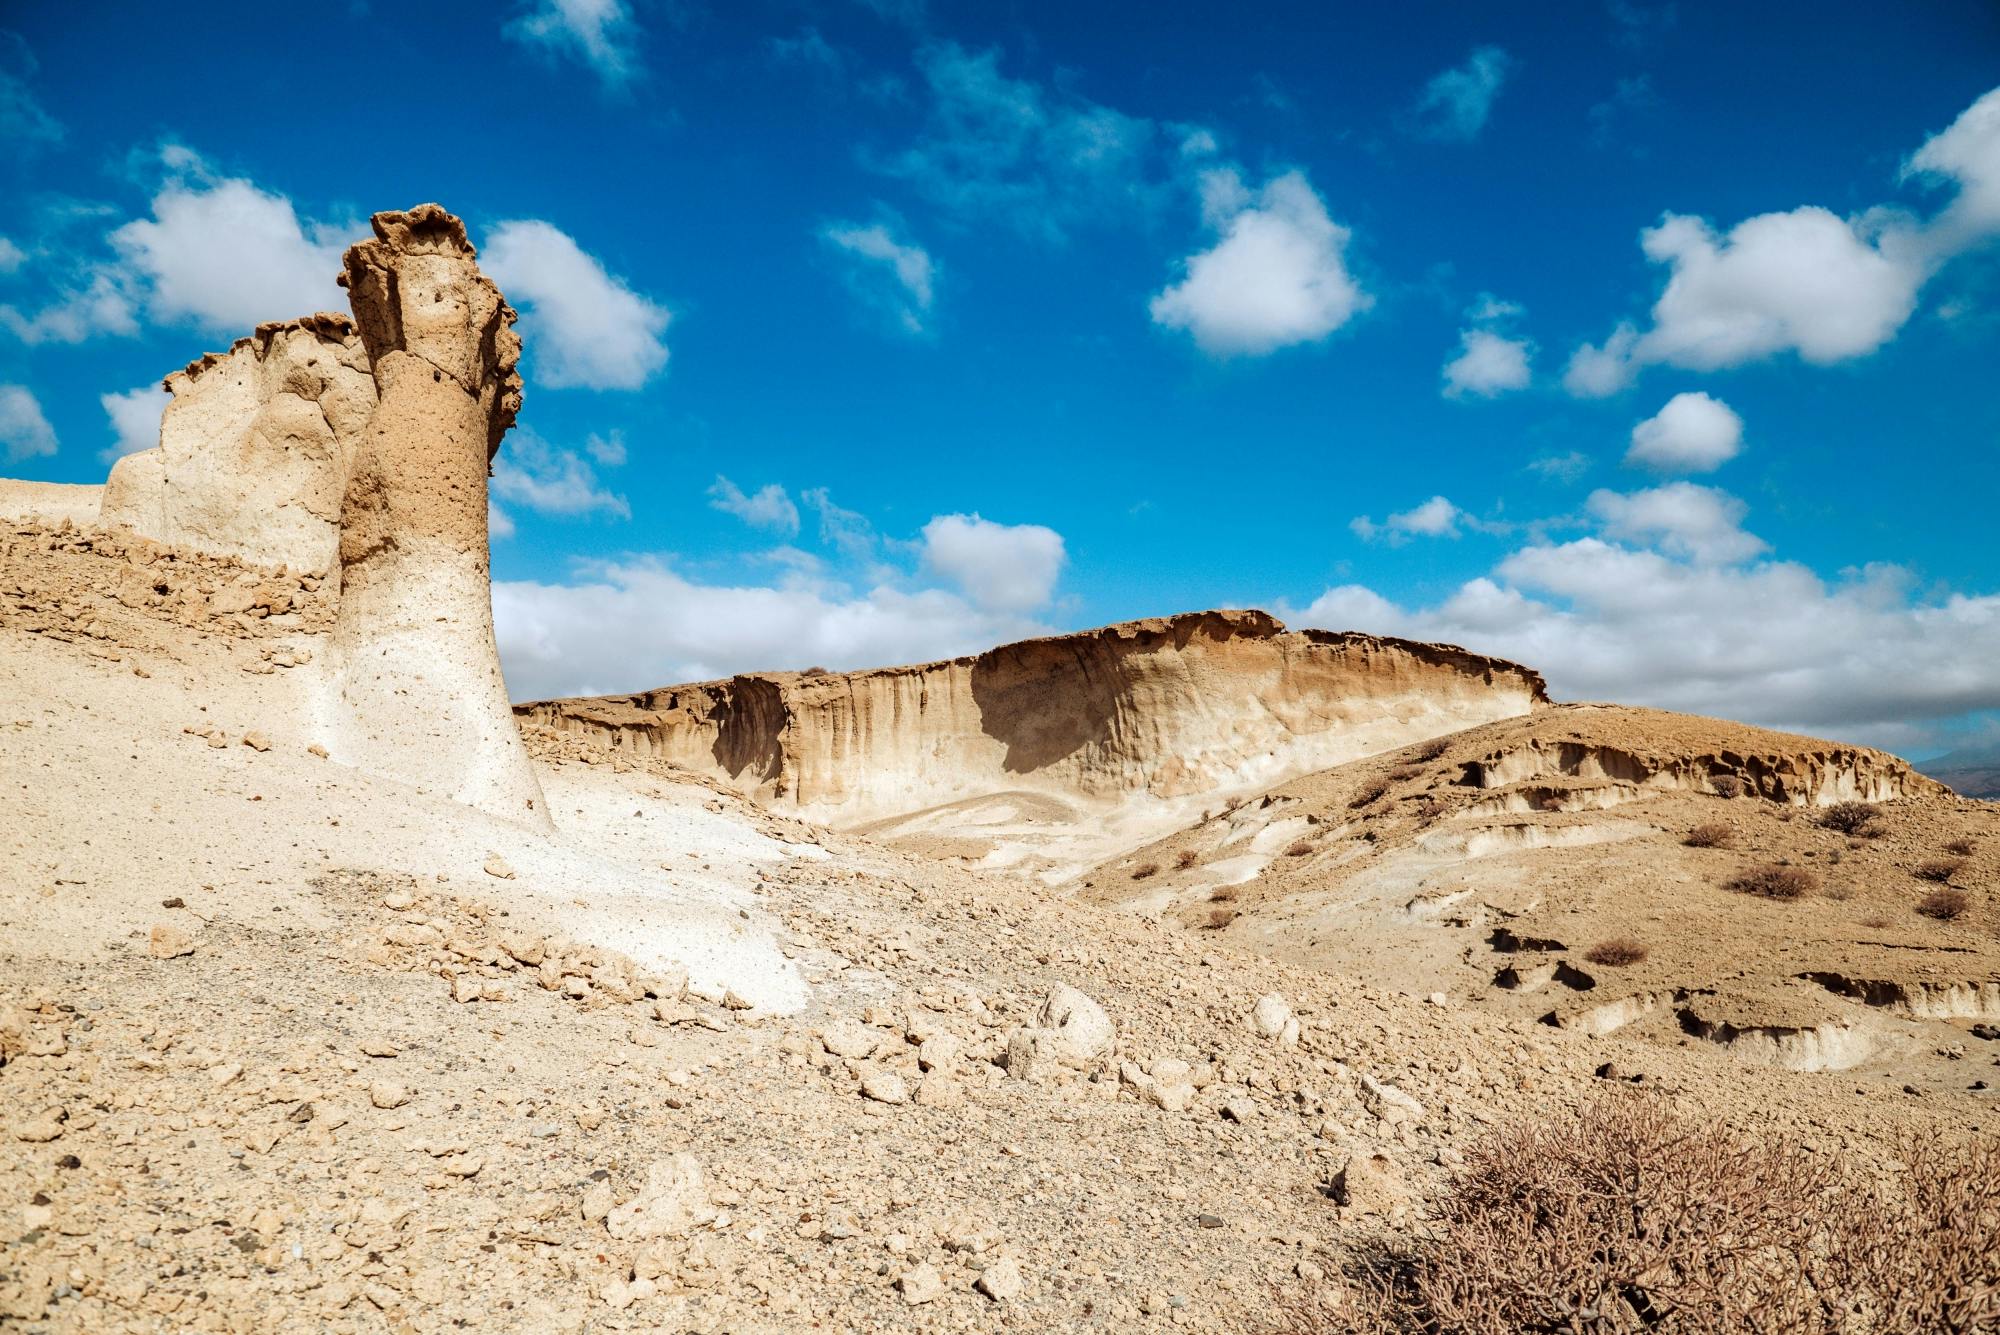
x=1974 y=771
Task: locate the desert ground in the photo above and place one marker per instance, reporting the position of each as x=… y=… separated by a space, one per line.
x=1150 y=977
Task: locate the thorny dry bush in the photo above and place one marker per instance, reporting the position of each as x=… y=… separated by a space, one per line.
x=1628 y=1216
x=1710 y=834
x=1850 y=817
x=1618 y=951
x=1946 y=904
x=1775 y=882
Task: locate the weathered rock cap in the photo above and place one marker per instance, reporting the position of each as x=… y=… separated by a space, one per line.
x=403 y=304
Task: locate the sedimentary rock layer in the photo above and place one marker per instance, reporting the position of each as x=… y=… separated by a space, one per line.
x=255 y=448
x=1167 y=707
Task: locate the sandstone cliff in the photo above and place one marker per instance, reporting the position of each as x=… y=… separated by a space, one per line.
x=255 y=448
x=1169 y=707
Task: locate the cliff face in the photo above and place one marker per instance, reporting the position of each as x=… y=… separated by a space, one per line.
x=255 y=448
x=1167 y=707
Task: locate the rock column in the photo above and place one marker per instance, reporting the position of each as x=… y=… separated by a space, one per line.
x=414 y=689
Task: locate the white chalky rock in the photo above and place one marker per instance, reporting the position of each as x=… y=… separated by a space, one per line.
x=674 y=1202
x=1081 y=1027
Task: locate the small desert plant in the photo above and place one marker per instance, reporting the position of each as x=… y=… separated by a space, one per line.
x=1945 y=904
x=1145 y=869
x=1432 y=749
x=1224 y=894
x=1965 y=848
x=1630 y=1216
x=1619 y=950
x=1938 y=869
x=1368 y=796
x=1186 y=858
x=1218 y=918
x=1300 y=848
x=1726 y=785
x=1850 y=817
x=1712 y=834
x=1775 y=882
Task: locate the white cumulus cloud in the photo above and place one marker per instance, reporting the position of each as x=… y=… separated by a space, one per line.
x=1693 y=433
x=892 y=275
x=1435 y=518
x=24 y=432
x=632 y=625
x=599 y=34
x=1804 y=281
x=226 y=256
x=135 y=419
x=1001 y=567
x=1488 y=364
x=1276 y=275
x=532 y=473
x=1682 y=519
x=581 y=326
x=769 y=507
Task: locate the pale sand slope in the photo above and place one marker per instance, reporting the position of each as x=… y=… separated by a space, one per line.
x=131 y=809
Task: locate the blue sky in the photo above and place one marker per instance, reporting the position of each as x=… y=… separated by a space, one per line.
x=1652 y=345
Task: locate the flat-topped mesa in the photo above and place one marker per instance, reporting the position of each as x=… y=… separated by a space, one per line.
x=414 y=687
x=255 y=448
x=1169 y=707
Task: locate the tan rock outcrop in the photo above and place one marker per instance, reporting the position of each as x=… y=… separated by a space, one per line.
x=255 y=448
x=413 y=688
x=49 y=504
x=1167 y=707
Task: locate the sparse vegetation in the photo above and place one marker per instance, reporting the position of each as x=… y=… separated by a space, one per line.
x=1145 y=869
x=1726 y=785
x=1946 y=904
x=1851 y=817
x=1964 y=848
x=1369 y=796
x=1224 y=894
x=1299 y=848
x=1617 y=952
x=1432 y=749
x=1710 y=834
x=1186 y=858
x=1940 y=870
x=1218 y=917
x=1775 y=881
x=1629 y=1216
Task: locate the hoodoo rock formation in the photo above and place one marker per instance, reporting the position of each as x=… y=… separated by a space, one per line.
x=414 y=685
x=357 y=450
x=1168 y=707
x=255 y=449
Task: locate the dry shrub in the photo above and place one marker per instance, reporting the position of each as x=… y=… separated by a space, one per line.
x=1369 y=796
x=1432 y=749
x=1726 y=785
x=1712 y=834
x=1145 y=869
x=1938 y=869
x=1851 y=817
x=1629 y=1216
x=1219 y=917
x=1300 y=848
x=1945 y=904
x=1775 y=882
x=1224 y=894
x=1186 y=858
x=1619 y=950
x=1965 y=848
